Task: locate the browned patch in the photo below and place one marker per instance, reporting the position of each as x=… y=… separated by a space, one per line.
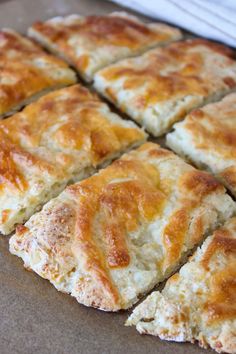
x=82 y=62
x=100 y=31
x=174 y=236
x=199 y=184
x=124 y=195
x=229 y=176
x=159 y=153
x=21 y=230
x=214 y=128
x=173 y=71
x=221 y=304
x=83 y=127
x=222 y=242
x=230 y=82
x=5 y=215
x=20 y=76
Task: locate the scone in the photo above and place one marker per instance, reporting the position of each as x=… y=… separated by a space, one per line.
x=207 y=137
x=59 y=139
x=199 y=302
x=112 y=237
x=163 y=85
x=26 y=72
x=91 y=43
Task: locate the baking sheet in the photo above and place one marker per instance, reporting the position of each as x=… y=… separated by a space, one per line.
x=34 y=317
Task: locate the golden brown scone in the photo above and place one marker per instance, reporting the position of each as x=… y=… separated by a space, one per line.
x=114 y=236
x=59 y=139
x=92 y=42
x=207 y=137
x=199 y=302
x=26 y=72
x=163 y=85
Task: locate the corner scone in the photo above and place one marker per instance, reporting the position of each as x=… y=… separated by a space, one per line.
x=57 y=140
x=115 y=235
x=199 y=302
x=91 y=43
x=26 y=72
x=160 y=87
x=208 y=138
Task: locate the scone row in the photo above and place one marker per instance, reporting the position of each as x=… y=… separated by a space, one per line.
x=112 y=237
x=155 y=89
x=199 y=302
x=86 y=43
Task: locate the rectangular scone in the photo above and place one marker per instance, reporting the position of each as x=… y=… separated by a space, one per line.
x=207 y=137
x=163 y=85
x=199 y=302
x=59 y=139
x=112 y=237
x=27 y=71
x=93 y=42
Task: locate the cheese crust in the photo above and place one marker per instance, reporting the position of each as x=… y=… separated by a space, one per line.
x=207 y=137
x=59 y=139
x=26 y=72
x=199 y=302
x=93 y=42
x=112 y=237
x=160 y=87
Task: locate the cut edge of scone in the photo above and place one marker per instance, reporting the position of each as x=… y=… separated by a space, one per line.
x=58 y=187
x=71 y=77
x=27 y=245
x=31 y=99
x=167 y=315
x=176 y=34
x=21 y=214
x=180 y=141
x=154 y=121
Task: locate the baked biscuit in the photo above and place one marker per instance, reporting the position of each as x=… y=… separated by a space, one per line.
x=163 y=85
x=26 y=71
x=199 y=302
x=208 y=138
x=91 y=43
x=59 y=139
x=114 y=236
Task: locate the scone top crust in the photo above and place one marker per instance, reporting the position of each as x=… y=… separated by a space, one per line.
x=52 y=139
x=115 y=235
x=92 y=42
x=211 y=133
x=27 y=70
x=161 y=86
x=199 y=302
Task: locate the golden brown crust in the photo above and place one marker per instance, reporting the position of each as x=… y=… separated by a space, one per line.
x=160 y=87
x=198 y=303
x=79 y=38
x=26 y=70
x=125 y=228
x=55 y=137
x=208 y=137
